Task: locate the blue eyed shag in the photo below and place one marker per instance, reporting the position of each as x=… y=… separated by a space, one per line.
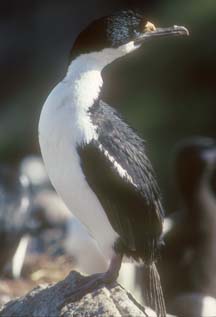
x=96 y=161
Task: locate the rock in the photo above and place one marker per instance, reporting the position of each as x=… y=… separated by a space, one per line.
x=65 y=298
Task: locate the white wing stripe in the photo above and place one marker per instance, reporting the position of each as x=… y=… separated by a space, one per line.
x=121 y=171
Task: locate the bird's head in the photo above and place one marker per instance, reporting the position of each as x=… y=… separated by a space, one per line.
x=114 y=36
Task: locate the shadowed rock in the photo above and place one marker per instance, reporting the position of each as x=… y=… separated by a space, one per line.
x=66 y=299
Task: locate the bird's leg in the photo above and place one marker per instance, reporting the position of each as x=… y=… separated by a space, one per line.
x=112 y=273
x=95 y=280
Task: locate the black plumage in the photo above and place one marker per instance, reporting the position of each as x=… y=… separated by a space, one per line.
x=109 y=32
x=131 y=201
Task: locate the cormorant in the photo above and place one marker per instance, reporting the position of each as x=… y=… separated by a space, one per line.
x=96 y=161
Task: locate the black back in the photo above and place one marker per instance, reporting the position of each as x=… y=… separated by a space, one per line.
x=132 y=206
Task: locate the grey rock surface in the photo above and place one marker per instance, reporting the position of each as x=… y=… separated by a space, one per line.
x=66 y=298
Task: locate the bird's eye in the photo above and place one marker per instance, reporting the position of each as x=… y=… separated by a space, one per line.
x=149 y=27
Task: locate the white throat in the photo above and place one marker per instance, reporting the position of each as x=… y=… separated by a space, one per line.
x=84 y=81
x=84 y=73
x=71 y=99
x=65 y=124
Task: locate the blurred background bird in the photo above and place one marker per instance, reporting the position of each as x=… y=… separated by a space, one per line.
x=15 y=202
x=188 y=263
x=29 y=208
x=35 y=222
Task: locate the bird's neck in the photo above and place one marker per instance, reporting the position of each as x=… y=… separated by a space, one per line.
x=70 y=101
x=84 y=73
x=84 y=82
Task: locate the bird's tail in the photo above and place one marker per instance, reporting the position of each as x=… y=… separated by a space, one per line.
x=153 y=290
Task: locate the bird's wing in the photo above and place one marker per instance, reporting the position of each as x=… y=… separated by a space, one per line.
x=119 y=172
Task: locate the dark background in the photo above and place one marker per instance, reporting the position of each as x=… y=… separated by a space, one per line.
x=166 y=90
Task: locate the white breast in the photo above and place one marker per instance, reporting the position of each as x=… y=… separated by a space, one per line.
x=64 y=124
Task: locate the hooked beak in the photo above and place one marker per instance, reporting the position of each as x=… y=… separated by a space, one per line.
x=162 y=32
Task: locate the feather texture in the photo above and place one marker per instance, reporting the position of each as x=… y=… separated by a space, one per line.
x=119 y=172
